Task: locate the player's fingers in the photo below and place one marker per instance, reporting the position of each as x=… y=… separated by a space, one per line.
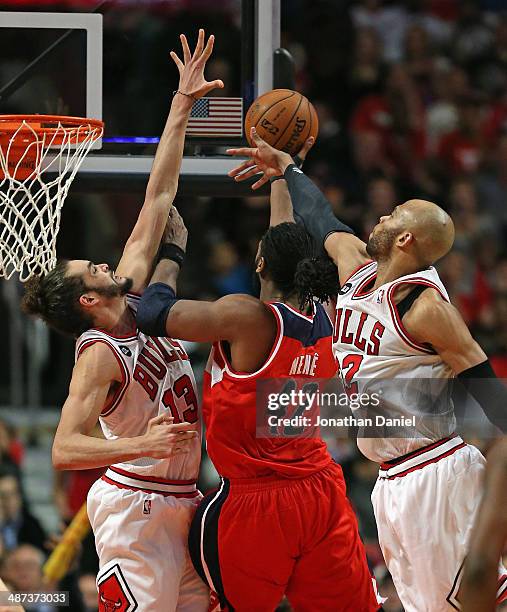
x=200 y=45
x=218 y=84
x=176 y=427
x=249 y=163
x=156 y=420
x=244 y=151
x=208 y=49
x=256 y=138
x=306 y=147
x=262 y=181
x=177 y=61
x=186 y=49
x=247 y=174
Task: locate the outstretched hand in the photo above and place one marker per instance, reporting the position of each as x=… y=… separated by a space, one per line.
x=264 y=160
x=191 y=69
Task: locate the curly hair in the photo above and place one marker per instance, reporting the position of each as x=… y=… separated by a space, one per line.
x=289 y=253
x=54 y=298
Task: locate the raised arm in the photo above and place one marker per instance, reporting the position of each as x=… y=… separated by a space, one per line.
x=280 y=202
x=140 y=250
x=432 y=320
x=74 y=448
x=309 y=203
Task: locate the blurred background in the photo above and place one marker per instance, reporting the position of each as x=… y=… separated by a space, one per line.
x=412 y=103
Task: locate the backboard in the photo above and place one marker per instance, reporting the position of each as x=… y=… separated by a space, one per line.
x=110 y=60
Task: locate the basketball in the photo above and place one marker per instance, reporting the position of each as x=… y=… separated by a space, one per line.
x=283 y=118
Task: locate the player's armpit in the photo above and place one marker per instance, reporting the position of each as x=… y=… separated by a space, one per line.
x=348 y=253
x=434 y=321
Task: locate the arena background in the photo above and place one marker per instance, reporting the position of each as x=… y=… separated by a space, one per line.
x=412 y=102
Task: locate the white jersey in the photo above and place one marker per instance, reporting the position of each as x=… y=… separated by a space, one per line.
x=373 y=348
x=156 y=378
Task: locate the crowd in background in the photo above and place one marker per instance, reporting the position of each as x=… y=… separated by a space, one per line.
x=412 y=103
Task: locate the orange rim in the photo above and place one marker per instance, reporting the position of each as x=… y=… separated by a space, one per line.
x=81 y=127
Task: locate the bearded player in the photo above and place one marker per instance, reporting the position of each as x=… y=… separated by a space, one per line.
x=141 y=389
x=394 y=320
x=280 y=522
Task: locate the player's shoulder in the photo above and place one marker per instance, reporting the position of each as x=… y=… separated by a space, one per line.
x=98 y=360
x=430 y=302
x=430 y=314
x=243 y=303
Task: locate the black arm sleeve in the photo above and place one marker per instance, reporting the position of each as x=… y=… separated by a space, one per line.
x=483 y=385
x=155 y=304
x=311 y=206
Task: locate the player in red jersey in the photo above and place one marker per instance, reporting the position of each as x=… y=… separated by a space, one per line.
x=280 y=522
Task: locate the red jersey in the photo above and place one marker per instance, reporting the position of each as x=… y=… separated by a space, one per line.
x=302 y=348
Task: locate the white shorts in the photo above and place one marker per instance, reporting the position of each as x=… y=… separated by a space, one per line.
x=141 y=541
x=425 y=507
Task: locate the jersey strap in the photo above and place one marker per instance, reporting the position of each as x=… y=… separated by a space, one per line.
x=307 y=329
x=397 y=316
x=113 y=401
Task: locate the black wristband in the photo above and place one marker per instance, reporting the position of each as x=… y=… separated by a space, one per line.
x=489 y=392
x=276 y=178
x=172 y=252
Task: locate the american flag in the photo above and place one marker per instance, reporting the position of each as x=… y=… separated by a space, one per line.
x=216 y=117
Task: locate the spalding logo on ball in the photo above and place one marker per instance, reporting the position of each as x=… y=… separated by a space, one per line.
x=285 y=119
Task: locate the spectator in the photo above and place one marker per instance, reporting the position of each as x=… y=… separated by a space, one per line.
x=11 y=449
x=388 y=129
x=22 y=569
x=19 y=525
x=89 y=594
x=390 y=22
x=460 y=151
x=229 y=275
x=367 y=71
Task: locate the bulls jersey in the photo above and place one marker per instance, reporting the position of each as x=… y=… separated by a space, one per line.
x=303 y=349
x=156 y=378
x=370 y=342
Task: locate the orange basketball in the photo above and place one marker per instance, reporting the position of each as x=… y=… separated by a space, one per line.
x=283 y=118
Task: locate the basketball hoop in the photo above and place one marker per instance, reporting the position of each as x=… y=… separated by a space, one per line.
x=39 y=158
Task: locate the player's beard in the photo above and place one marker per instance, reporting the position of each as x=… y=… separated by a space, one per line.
x=115 y=290
x=380 y=244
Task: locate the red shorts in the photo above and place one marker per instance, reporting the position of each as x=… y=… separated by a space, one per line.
x=254 y=541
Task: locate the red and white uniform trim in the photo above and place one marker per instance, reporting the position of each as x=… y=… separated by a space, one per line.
x=419 y=459
x=130 y=480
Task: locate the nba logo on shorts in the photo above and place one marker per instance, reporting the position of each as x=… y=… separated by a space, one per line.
x=380 y=296
x=147 y=506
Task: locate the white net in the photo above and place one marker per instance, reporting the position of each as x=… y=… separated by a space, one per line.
x=38 y=167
